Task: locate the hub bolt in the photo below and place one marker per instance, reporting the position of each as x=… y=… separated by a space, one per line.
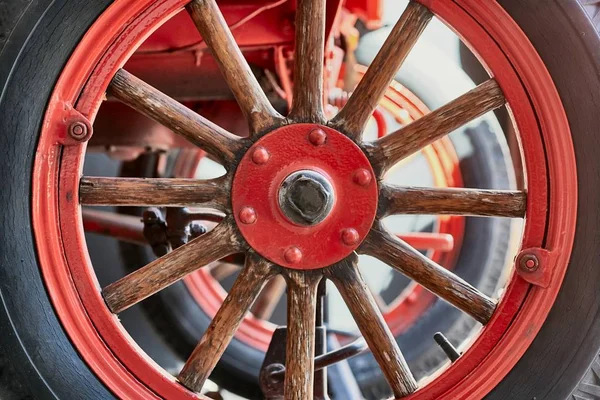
x=292 y=255
x=260 y=155
x=317 y=137
x=78 y=130
x=350 y=236
x=529 y=262
x=247 y=215
x=362 y=177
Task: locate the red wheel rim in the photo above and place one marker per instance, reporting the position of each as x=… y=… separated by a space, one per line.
x=97 y=334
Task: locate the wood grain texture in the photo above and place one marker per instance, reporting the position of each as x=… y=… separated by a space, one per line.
x=145 y=192
x=269 y=297
x=359 y=299
x=392 y=148
x=213 y=343
x=300 y=347
x=222 y=241
x=451 y=201
x=435 y=278
x=353 y=118
x=309 y=57
x=237 y=73
x=158 y=106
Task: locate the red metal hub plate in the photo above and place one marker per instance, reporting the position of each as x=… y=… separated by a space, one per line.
x=256 y=185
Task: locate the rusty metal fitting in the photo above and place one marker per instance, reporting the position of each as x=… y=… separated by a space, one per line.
x=79 y=131
x=529 y=262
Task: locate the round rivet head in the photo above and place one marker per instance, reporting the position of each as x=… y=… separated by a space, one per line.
x=362 y=177
x=292 y=255
x=350 y=236
x=247 y=215
x=317 y=137
x=260 y=155
x=529 y=262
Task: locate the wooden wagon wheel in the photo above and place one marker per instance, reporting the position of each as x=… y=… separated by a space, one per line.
x=350 y=210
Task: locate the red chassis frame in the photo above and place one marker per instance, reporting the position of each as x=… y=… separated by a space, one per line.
x=264 y=30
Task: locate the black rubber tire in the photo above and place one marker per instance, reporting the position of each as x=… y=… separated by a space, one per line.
x=31 y=60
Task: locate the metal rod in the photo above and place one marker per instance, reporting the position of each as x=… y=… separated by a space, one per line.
x=446 y=346
x=348 y=351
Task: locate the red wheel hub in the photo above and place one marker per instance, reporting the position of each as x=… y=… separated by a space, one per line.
x=286 y=151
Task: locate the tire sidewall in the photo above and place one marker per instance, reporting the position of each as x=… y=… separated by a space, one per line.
x=570 y=337
x=30 y=332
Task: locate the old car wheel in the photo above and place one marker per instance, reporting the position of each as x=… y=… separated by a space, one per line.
x=58 y=323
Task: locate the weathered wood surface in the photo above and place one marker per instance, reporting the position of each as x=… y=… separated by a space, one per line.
x=359 y=299
x=353 y=118
x=300 y=347
x=222 y=328
x=390 y=149
x=237 y=73
x=158 y=106
x=451 y=201
x=146 y=192
x=435 y=278
x=222 y=241
x=307 y=105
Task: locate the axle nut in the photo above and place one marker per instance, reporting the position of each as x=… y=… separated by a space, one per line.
x=247 y=215
x=293 y=255
x=317 y=137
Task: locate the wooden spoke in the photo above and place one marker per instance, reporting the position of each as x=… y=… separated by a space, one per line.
x=266 y=302
x=390 y=149
x=143 y=192
x=222 y=241
x=359 y=299
x=225 y=323
x=300 y=347
x=353 y=118
x=156 y=105
x=438 y=280
x=236 y=71
x=307 y=105
x=451 y=201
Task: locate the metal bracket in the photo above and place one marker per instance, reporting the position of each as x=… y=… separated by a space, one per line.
x=74 y=127
x=535 y=266
x=271 y=383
